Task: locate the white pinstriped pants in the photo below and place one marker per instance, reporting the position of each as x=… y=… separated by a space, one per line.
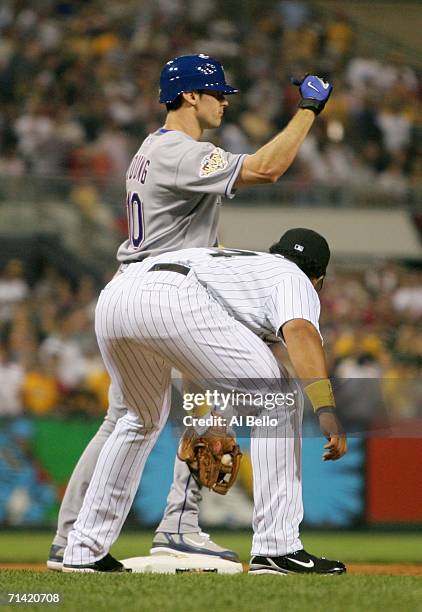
x=145 y=324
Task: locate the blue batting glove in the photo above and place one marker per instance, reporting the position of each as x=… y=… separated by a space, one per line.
x=314 y=91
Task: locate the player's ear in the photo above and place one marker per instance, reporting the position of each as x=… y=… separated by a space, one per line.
x=318 y=282
x=191 y=97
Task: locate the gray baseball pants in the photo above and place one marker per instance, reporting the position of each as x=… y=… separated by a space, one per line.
x=181 y=513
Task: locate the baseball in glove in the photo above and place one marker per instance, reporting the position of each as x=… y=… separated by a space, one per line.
x=213 y=459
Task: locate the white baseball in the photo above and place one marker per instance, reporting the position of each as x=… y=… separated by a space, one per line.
x=226 y=459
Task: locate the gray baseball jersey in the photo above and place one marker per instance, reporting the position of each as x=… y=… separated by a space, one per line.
x=174 y=189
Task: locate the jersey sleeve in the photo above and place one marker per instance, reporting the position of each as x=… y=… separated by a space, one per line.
x=294 y=298
x=205 y=168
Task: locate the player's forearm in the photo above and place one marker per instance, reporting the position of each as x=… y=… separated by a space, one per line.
x=275 y=157
x=305 y=350
x=308 y=359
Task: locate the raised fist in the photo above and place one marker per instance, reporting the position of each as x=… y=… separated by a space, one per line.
x=314 y=91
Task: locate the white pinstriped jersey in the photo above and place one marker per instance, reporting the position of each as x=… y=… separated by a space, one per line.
x=146 y=323
x=261 y=290
x=174 y=186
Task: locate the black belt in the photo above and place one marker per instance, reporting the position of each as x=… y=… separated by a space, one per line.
x=170 y=267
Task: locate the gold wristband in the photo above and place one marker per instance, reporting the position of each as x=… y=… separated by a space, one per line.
x=321 y=394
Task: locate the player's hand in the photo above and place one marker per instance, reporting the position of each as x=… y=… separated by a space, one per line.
x=314 y=91
x=331 y=428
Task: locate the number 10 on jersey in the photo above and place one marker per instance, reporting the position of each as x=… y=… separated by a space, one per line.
x=135 y=219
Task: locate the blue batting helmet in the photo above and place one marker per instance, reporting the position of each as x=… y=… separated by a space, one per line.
x=191 y=72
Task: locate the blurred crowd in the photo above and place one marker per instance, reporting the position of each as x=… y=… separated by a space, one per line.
x=50 y=363
x=79 y=87
x=79 y=92
x=49 y=359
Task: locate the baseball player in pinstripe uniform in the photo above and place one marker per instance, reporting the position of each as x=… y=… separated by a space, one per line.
x=209 y=313
x=174 y=189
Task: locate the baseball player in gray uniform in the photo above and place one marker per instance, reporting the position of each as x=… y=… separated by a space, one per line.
x=208 y=313
x=174 y=188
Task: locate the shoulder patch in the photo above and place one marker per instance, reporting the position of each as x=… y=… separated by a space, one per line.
x=213 y=162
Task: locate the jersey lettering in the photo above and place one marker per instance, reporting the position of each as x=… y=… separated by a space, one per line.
x=232 y=253
x=135 y=218
x=138 y=169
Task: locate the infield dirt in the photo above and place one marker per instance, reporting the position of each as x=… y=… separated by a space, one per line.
x=376 y=569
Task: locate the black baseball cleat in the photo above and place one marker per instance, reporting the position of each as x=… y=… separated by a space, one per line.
x=106 y=564
x=299 y=562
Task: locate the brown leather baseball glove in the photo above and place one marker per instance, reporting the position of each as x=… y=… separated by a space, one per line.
x=213 y=458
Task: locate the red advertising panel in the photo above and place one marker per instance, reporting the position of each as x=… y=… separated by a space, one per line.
x=394 y=480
